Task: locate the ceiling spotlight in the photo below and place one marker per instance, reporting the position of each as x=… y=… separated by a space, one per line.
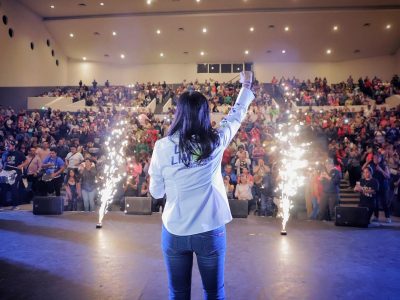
x=204 y=30
x=71 y=35
x=202 y=53
x=283 y=51
x=122 y=56
x=158 y=31
x=101 y=3
x=335 y=28
x=388 y=26
x=52 y=6
x=287 y=28
x=246 y=52
x=328 y=51
x=251 y=29
x=148 y=2
x=161 y=54
x=114 y=33
x=84 y=58
x=197 y=1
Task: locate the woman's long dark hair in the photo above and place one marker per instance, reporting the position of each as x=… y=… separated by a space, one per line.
x=192 y=123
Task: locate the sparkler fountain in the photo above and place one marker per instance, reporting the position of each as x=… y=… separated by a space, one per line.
x=292 y=162
x=114 y=169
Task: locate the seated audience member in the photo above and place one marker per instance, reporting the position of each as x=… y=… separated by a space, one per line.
x=248 y=176
x=243 y=192
x=131 y=187
x=144 y=190
x=242 y=162
x=73 y=189
x=229 y=188
x=228 y=172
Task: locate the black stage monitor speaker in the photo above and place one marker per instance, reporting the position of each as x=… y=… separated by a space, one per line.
x=48 y=205
x=213 y=68
x=226 y=68
x=202 y=68
x=237 y=68
x=239 y=208
x=351 y=216
x=138 y=205
x=248 y=66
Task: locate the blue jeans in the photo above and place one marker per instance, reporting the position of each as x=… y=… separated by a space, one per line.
x=88 y=200
x=210 y=250
x=314 y=213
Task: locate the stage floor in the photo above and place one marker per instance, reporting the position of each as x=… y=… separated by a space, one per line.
x=65 y=257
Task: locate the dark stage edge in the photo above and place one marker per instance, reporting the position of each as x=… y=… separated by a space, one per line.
x=66 y=257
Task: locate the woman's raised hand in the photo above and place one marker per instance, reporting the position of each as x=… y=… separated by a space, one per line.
x=246 y=78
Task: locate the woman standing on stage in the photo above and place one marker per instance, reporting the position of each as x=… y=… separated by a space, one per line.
x=186 y=166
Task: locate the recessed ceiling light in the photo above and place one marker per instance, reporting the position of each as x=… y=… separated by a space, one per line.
x=283 y=51
x=84 y=58
x=52 y=6
x=328 y=51
x=71 y=35
x=102 y=3
x=271 y=26
x=388 y=26
x=197 y=1
x=148 y=2
x=202 y=53
x=161 y=54
x=114 y=33
x=122 y=56
x=106 y=55
x=204 y=30
x=251 y=29
x=367 y=24
x=335 y=28
x=287 y=28
x=158 y=31
x=246 y=52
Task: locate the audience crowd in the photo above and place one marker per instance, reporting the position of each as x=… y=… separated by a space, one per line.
x=60 y=152
x=319 y=92
x=133 y=95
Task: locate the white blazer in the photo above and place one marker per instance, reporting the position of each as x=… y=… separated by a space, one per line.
x=196 y=196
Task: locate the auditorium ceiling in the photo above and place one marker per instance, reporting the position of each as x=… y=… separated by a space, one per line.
x=221 y=31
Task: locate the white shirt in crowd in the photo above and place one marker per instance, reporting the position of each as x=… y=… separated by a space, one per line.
x=74 y=160
x=243 y=191
x=196 y=196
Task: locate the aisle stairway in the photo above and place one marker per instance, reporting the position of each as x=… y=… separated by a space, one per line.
x=347 y=195
x=277 y=96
